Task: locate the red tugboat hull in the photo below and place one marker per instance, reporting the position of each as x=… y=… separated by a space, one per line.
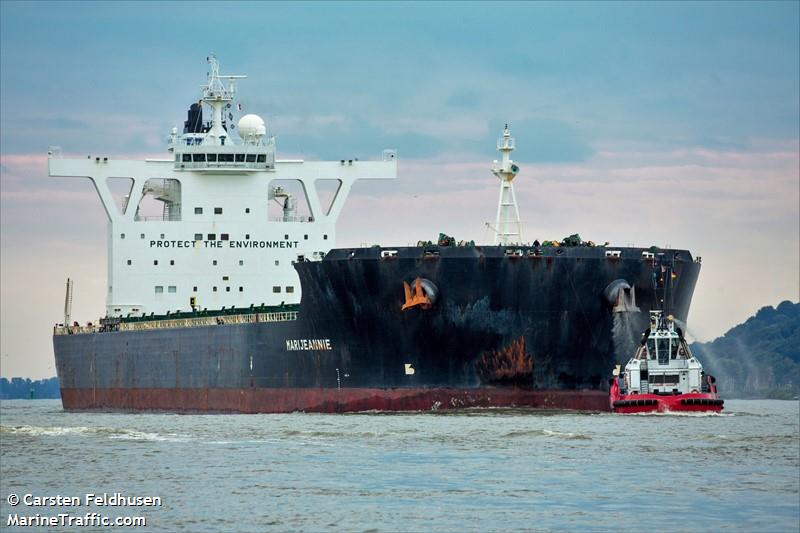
x=657 y=403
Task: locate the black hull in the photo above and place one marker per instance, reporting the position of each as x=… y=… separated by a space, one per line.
x=504 y=330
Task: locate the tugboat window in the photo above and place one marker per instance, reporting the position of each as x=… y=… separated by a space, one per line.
x=251 y=158
x=262 y=158
x=240 y=158
x=212 y=158
x=663 y=351
x=199 y=158
x=187 y=158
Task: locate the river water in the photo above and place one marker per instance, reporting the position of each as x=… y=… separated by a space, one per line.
x=473 y=470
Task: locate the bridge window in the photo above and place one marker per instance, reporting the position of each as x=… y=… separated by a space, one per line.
x=651 y=348
x=251 y=158
x=212 y=158
x=262 y=158
x=187 y=158
x=199 y=158
x=240 y=158
x=663 y=351
x=225 y=158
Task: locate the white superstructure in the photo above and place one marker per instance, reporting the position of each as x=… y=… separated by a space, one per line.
x=507 y=226
x=663 y=363
x=212 y=243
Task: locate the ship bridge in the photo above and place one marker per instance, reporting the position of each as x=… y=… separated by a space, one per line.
x=217 y=224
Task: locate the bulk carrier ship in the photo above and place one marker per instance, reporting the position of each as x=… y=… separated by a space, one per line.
x=214 y=305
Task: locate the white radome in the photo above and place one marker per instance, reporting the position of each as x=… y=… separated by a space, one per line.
x=251 y=126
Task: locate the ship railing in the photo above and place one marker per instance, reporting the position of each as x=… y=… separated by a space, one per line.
x=74 y=330
x=251 y=318
x=291 y=219
x=156 y=218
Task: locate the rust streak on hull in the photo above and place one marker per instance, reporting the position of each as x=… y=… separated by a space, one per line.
x=255 y=400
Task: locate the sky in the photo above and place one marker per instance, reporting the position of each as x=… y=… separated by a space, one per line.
x=636 y=123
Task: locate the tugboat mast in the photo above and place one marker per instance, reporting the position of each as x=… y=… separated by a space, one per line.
x=507 y=226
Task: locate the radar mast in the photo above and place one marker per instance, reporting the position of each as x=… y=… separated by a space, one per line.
x=507 y=226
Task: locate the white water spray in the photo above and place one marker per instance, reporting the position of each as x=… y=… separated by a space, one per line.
x=624 y=335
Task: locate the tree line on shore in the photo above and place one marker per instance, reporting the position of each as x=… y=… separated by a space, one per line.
x=18 y=388
x=759 y=358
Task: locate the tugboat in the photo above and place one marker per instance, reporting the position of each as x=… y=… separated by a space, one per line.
x=663 y=375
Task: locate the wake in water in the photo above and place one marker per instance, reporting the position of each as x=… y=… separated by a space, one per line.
x=547 y=433
x=687 y=414
x=111 y=433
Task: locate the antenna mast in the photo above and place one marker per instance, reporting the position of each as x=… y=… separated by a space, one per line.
x=507 y=228
x=217 y=95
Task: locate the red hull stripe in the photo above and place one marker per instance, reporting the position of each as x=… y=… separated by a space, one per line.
x=325 y=400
